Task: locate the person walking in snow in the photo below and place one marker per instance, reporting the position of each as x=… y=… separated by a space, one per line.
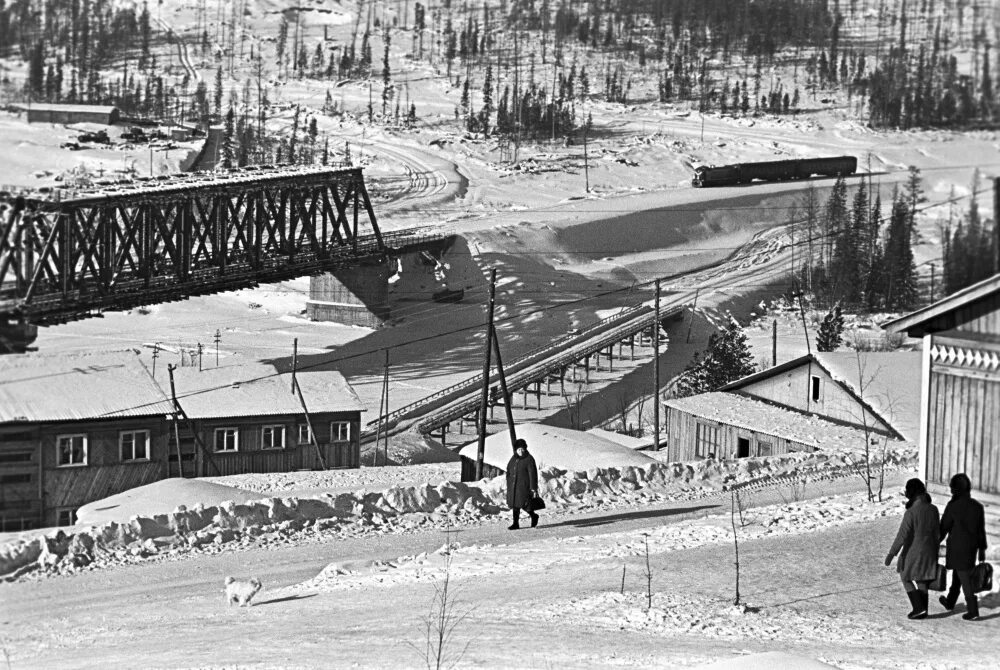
x=522 y=483
x=918 y=538
x=964 y=526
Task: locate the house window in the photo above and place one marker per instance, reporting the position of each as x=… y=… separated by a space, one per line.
x=273 y=437
x=814 y=388
x=305 y=435
x=71 y=450
x=65 y=516
x=226 y=439
x=764 y=449
x=706 y=440
x=134 y=445
x=340 y=431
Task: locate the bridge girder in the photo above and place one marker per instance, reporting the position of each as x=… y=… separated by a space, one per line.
x=141 y=242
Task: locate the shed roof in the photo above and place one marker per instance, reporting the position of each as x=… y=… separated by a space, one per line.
x=761 y=417
x=941 y=314
x=72 y=387
x=257 y=389
x=887 y=383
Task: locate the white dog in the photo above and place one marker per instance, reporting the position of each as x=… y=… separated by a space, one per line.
x=241 y=592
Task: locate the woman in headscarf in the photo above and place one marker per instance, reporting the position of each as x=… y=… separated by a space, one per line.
x=522 y=483
x=917 y=544
x=964 y=525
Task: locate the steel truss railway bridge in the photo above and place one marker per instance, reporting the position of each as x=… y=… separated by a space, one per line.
x=67 y=255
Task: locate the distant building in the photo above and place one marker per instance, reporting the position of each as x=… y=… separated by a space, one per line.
x=79 y=428
x=819 y=401
x=960 y=393
x=40 y=112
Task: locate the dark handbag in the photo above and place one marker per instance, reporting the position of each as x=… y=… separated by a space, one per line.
x=537 y=503
x=982 y=578
x=940 y=581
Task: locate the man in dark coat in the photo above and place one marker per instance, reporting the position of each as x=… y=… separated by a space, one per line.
x=964 y=525
x=522 y=483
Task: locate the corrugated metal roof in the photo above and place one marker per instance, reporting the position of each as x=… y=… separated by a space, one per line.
x=257 y=389
x=73 y=387
x=762 y=417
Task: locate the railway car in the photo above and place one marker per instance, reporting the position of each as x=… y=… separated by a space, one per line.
x=744 y=173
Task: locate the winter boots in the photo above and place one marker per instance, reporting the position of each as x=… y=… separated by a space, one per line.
x=972 y=605
x=534 y=519
x=919 y=601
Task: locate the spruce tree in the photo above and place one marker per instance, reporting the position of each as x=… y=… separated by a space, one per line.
x=726 y=359
x=831 y=330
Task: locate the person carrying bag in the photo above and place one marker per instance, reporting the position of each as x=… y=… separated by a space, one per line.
x=964 y=526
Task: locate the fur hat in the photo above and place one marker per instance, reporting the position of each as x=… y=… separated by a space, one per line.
x=520 y=444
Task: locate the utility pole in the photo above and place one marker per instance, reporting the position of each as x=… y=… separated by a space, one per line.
x=932 y=282
x=508 y=411
x=774 y=343
x=156 y=354
x=177 y=419
x=295 y=362
x=484 y=402
x=297 y=390
x=217 y=339
x=199 y=356
x=586 y=164
x=656 y=370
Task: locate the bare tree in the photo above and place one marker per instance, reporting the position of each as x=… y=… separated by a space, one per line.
x=871 y=467
x=442 y=622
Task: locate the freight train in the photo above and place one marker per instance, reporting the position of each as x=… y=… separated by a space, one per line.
x=744 y=173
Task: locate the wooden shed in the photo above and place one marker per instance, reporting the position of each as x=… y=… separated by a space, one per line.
x=960 y=393
x=728 y=425
x=53 y=113
x=878 y=391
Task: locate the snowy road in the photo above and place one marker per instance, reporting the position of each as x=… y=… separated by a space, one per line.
x=561 y=581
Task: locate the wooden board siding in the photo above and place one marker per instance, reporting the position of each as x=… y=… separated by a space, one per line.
x=682 y=432
x=963 y=414
x=469 y=470
x=793 y=389
x=73 y=487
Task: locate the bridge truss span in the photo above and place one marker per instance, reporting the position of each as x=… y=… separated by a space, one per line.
x=131 y=243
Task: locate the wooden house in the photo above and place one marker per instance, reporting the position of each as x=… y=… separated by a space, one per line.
x=245 y=418
x=960 y=393
x=79 y=428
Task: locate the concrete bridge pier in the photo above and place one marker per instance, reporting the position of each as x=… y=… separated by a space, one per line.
x=357 y=296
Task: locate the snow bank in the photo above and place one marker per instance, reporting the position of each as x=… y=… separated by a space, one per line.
x=559 y=447
x=400 y=508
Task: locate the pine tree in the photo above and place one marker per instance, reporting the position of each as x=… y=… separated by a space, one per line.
x=831 y=330
x=726 y=359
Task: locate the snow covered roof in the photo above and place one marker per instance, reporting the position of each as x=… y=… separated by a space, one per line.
x=78 y=109
x=888 y=382
x=624 y=440
x=79 y=386
x=562 y=448
x=890 y=390
x=756 y=415
x=941 y=315
x=256 y=389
